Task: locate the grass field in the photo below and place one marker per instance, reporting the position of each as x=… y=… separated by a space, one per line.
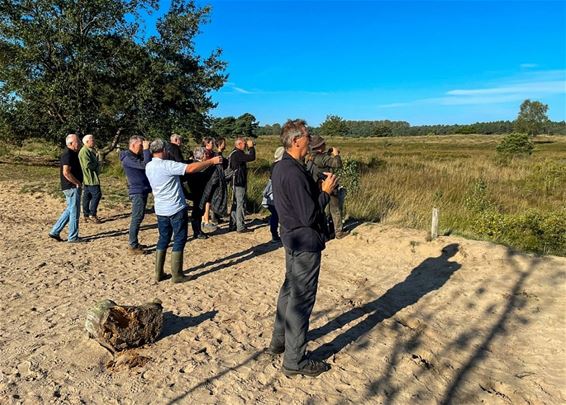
x=521 y=203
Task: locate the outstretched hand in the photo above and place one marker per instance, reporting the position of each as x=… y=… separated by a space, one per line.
x=330 y=183
x=216 y=160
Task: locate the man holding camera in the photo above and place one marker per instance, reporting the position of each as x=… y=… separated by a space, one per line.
x=300 y=203
x=329 y=161
x=238 y=163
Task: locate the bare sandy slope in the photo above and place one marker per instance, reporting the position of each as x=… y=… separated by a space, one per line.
x=399 y=319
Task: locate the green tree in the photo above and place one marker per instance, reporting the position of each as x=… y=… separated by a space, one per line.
x=532 y=118
x=334 y=126
x=246 y=125
x=80 y=66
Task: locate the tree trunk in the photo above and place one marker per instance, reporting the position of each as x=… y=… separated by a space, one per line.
x=119 y=327
x=102 y=153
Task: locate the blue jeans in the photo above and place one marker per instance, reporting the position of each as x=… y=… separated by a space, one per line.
x=177 y=226
x=139 y=201
x=70 y=215
x=91 y=198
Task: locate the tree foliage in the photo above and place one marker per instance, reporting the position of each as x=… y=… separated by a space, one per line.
x=532 y=118
x=245 y=125
x=334 y=126
x=81 y=66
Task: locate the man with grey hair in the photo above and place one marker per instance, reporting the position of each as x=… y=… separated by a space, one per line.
x=238 y=164
x=91 y=171
x=71 y=184
x=170 y=206
x=133 y=161
x=174 y=148
x=300 y=203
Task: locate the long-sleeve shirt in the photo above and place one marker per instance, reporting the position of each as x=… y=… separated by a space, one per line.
x=134 y=166
x=90 y=166
x=300 y=205
x=238 y=160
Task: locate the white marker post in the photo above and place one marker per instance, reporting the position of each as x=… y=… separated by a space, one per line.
x=434 y=227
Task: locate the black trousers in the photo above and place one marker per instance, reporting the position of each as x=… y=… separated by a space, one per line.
x=294 y=305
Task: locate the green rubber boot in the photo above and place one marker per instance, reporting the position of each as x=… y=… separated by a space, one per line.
x=159 y=263
x=177 y=267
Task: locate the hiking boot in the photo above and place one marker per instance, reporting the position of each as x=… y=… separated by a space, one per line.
x=78 y=240
x=312 y=368
x=177 y=267
x=201 y=236
x=86 y=219
x=56 y=237
x=245 y=230
x=95 y=219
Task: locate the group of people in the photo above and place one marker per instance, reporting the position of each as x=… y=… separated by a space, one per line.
x=79 y=169
x=300 y=188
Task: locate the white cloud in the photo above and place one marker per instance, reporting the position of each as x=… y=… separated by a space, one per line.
x=529 y=85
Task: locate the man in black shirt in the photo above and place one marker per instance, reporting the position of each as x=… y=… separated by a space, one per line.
x=71 y=183
x=174 y=148
x=300 y=204
x=237 y=160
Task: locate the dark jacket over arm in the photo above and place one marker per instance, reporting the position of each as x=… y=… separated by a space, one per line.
x=300 y=205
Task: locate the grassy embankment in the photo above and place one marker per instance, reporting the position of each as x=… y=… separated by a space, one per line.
x=521 y=203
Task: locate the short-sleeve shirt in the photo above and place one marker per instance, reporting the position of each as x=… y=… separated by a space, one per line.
x=70 y=158
x=163 y=175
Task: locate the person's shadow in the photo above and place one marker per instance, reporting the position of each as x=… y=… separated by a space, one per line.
x=173 y=324
x=428 y=276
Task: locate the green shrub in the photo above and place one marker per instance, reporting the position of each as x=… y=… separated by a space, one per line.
x=534 y=231
x=349 y=175
x=515 y=145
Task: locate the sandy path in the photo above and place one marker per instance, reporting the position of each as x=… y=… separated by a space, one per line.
x=399 y=319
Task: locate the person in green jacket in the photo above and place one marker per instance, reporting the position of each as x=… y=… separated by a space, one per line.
x=91 y=170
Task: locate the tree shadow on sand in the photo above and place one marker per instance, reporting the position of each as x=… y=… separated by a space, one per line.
x=231 y=260
x=112 y=234
x=428 y=276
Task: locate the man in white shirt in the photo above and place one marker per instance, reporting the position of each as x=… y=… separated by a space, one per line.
x=170 y=206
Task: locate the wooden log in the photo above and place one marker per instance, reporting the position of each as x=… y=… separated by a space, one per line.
x=119 y=327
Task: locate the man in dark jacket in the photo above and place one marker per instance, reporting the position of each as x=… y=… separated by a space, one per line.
x=300 y=204
x=133 y=161
x=174 y=148
x=238 y=163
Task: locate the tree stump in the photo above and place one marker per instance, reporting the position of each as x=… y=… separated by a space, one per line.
x=119 y=327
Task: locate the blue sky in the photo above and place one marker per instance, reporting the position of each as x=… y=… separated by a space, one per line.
x=425 y=62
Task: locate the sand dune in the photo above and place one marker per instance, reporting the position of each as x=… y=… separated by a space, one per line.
x=399 y=319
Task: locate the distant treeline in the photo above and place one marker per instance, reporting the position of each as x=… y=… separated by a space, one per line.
x=403 y=128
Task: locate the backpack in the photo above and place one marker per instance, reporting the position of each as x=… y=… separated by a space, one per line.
x=267 y=195
x=229 y=172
